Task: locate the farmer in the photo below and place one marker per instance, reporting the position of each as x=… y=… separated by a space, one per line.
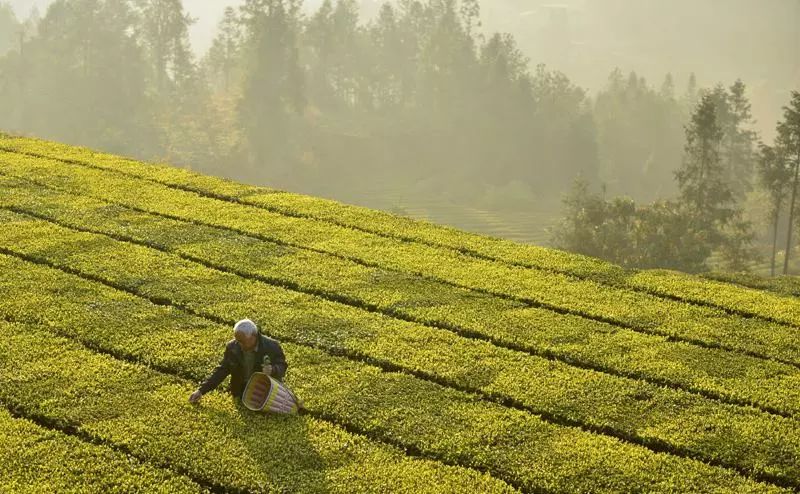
x=249 y=352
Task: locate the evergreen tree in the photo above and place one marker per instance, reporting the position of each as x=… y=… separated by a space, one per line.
x=470 y=11
x=564 y=137
x=738 y=147
x=86 y=70
x=224 y=67
x=184 y=114
x=10 y=29
x=224 y=56
x=700 y=179
x=775 y=176
x=274 y=81
x=737 y=251
x=334 y=39
x=503 y=108
x=789 y=143
x=402 y=40
x=344 y=71
x=389 y=77
x=705 y=191
x=319 y=38
x=164 y=33
x=12 y=84
x=639 y=133
x=691 y=95
x=447 y=67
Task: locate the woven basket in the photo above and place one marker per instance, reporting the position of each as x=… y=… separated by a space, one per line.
x=265 y=394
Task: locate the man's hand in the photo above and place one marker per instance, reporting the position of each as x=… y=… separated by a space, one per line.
x=267 y=369
x=195 y=396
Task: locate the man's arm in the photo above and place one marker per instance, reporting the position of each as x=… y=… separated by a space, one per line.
x=278 y=360
x=220 y=373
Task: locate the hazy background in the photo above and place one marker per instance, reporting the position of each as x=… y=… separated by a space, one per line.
x=718 y=40
x=601 y=89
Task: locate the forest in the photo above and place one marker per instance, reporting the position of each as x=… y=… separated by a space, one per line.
x=651 y=173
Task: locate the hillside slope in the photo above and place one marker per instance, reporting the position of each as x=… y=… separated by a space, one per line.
x=431 y=360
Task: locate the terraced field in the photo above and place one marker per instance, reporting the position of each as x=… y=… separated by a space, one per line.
x=430 y=359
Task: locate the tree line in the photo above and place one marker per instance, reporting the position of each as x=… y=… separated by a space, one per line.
x=725 y=167
x=418 y=95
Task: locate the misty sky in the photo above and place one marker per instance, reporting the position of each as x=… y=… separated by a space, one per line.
x=719 y=40
x=207 y=13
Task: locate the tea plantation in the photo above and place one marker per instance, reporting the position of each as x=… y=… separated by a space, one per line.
x=429 y=359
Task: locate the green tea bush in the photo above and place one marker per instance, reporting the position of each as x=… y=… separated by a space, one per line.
x=678 y=421
x=596 y=345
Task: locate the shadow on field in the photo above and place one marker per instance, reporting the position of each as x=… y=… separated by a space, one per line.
x=285 y=449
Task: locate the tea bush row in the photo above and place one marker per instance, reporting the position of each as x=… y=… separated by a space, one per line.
x=597 y=345
x=681 y=286
x=739 y=436
x=702 y=325
x=147 y=413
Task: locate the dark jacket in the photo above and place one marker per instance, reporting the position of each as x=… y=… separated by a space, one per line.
x=233 y=364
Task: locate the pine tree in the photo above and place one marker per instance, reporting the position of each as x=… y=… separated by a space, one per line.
x=470 y=11
x=347 y=34
x=10 y=29
x=319 y=38
x=224 y=56
x=336 y=48
x=86 y=69
x=389 y=57
x=739 y=143
x=448 y=62
x=639 y=135
x=274 y=81
x=702 y=188
x=164 y=32
x=12 y=76
x=775 y=176
x=690 y=97
x=399 y=35
x=789 y=143
x=503 y=106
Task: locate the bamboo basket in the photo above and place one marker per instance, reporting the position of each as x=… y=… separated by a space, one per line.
x=266 y=394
